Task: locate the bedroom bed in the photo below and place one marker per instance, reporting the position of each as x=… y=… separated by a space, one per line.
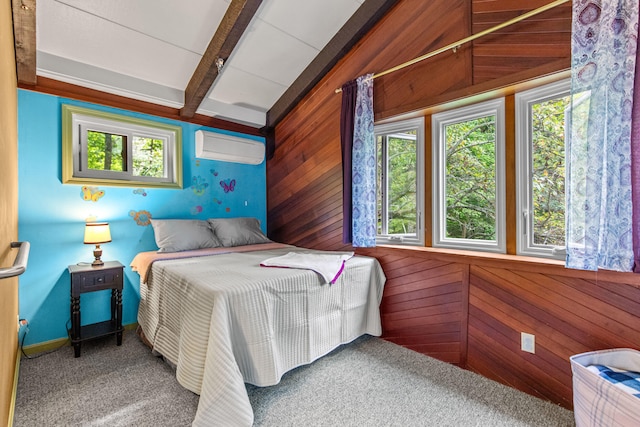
x=223 y=319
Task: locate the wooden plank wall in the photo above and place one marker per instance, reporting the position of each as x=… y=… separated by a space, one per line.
x=520 y=46
x=304 y=177
x=304 y=197
x=569 y=312
x=470 y=310
x=425 y=301
x=463 y=308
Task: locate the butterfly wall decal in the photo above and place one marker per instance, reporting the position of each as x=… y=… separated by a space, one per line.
x=228 y=185
x=91 y=194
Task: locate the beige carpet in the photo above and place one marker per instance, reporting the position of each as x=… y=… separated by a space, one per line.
x=369 y=382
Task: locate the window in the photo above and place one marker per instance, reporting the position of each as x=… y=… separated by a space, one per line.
x=400 y=182
x=541 y=114
x=468 y=178
x=105 y=148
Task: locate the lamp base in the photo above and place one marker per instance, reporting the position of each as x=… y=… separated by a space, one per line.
x=97 y=253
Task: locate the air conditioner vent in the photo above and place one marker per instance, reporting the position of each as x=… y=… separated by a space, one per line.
x=228 y=148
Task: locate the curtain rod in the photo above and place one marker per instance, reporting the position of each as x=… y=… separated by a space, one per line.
x=456 y=45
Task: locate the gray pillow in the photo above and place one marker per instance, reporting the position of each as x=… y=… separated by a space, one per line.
x=238 y=231
x=176 y=235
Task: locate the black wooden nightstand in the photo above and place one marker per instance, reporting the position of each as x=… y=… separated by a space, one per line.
x=86 y=278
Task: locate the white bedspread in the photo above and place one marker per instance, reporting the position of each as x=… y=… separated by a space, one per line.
x=223 y=320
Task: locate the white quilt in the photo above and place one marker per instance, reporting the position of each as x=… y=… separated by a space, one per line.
x=223 y=320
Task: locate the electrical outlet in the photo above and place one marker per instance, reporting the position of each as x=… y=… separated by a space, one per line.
x=528 y=342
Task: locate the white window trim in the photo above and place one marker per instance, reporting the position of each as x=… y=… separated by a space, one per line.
x=77 y=121
x=524 y=173
x=387 y=128
x=440 y=120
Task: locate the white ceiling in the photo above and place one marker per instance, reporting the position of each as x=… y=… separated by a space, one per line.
x=149 y=49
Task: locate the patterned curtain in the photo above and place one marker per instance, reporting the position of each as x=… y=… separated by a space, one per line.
x=635 y=164
x=599 y=193
x=363 y=168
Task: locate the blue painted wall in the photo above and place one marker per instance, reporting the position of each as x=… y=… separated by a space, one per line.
x=52 y=215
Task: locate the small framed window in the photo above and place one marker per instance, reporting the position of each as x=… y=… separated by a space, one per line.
x=541 y=118
x=468 y=178
x=111 y=149
x=400 y=182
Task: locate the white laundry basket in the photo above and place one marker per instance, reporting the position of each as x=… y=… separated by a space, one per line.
x=597 y=401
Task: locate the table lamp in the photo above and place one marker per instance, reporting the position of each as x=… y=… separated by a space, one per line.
x=96 y=233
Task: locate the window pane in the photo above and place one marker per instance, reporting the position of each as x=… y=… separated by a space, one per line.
x=401 y=181
x=381 y=189
x=105 y=151
x=548 y=171
x=148 y=157
x=101 y=147
x=470 y=181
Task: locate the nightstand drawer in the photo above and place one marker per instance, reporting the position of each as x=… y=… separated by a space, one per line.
x=99 y=280
x=88 y=279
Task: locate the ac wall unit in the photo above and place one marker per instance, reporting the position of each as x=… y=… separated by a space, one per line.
x=228 y=148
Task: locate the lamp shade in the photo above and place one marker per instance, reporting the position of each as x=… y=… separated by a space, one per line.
x=96 y=233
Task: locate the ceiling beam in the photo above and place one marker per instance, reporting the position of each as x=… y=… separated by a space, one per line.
x=24 y=35
x=233 y=24
x=351 y=32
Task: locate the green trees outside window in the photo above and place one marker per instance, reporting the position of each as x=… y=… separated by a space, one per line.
x=400 y=181
x=399 y=150
x=469 y=173
x=106 y=152
x=470 y=185
x=104 y=148
x=548 y=171
x=148 y=157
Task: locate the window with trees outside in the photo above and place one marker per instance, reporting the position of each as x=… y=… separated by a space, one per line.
x=468 y=177
x=400 y=182
x=541 y=115
x=105 y=148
